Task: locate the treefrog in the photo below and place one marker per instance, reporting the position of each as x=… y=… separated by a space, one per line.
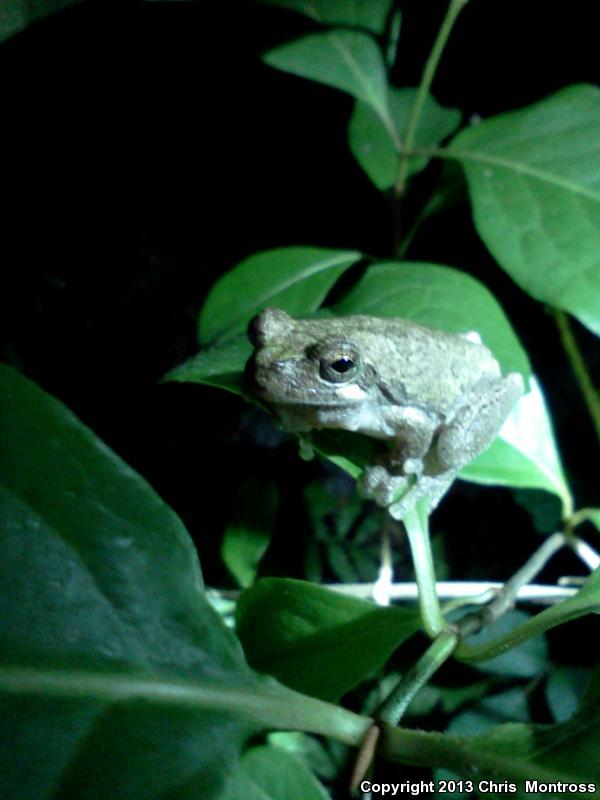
x=438 y=398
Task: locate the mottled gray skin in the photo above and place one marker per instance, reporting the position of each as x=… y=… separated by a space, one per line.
x=438 y=397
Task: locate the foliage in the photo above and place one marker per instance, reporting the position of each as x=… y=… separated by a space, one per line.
x=119 y=679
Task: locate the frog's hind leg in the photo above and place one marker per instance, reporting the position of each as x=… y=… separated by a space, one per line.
x=476 y=423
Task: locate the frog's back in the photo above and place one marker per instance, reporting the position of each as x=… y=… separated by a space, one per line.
x=420 y=364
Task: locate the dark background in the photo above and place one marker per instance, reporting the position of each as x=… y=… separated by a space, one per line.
x=147 y=149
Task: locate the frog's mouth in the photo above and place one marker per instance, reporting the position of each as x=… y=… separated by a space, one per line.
x=315 y=399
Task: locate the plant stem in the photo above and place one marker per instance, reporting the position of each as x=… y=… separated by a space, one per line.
x=401 y=696
x=416 y=523
x=584 y=552
x=429 y=71
x=385 y=578
x=579 y=367
x=463 y=755
x=505 y=599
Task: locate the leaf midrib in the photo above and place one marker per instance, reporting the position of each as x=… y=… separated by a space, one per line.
x=257 y=302
x=518 y=167
x=260 y=701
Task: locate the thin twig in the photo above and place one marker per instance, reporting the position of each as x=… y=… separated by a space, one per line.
x=579 y=367
x=584 y=551
x=454 y=9
x=385 y=578
x=506 y=596
x=446 y=590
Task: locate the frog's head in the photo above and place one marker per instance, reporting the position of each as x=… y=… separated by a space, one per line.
x=303 y=367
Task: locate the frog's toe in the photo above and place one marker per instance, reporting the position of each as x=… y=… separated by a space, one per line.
x=413 y=466
x=434 y=488
x=378 y=485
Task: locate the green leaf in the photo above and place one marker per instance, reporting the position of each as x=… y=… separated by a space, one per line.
x=564 y=690
x=525 y=661
x=525 y=453
x=271 y=773
x=534 y=179
x=248 y=533
x=316 y=640
x=544 y=509
x=352 y=452
x=511 y=705
x=221 y=364
x=586 y=601
x=295 y=279
x=438 y=297
x=115 y=672
x=376 y=148
x=451 y=698
x=16 y=15
x=102 y=599
x=371 y=15
x=324 y=758
x=514 y=752
x=346 y=60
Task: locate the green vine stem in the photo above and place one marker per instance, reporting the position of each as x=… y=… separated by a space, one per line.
x=394 y=707
x=454 y=9
x=416 y=523
x=579 y=367
x=505 y=599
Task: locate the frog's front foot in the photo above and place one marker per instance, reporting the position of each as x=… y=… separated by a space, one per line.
x=431 y=487
x=400 y=493
x=377 y=484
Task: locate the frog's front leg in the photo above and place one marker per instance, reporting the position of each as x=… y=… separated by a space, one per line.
x=476 y=423
x=402 y=467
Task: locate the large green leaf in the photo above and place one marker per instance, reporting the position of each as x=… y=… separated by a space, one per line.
x=315 y=640
x=525 y=452
x=117 y=679
x=516 y=753
x=347 y=60
x=534 y=179
x=16 y=15
x=376 y=149
x=438 y=297
x=296 y=279
x=368 y=14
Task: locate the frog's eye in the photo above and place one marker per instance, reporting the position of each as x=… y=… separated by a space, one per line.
x=339 y=365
